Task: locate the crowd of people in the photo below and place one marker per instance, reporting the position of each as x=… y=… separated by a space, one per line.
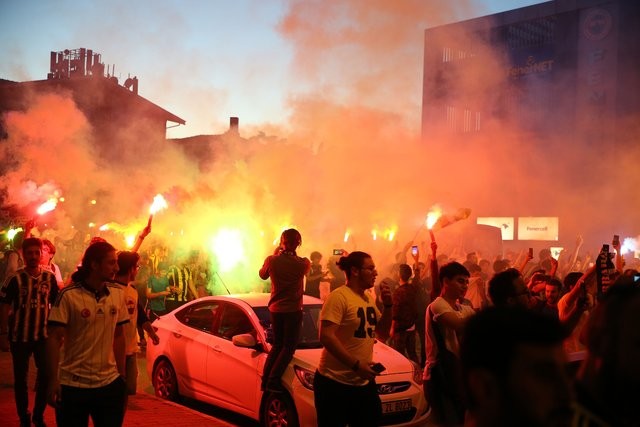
x=95 y=317
x=491 y=335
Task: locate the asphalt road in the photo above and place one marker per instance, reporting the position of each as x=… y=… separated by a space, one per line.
x=145 y=386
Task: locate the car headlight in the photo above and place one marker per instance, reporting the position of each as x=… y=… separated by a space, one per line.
x=417 y=373
x=305 y=376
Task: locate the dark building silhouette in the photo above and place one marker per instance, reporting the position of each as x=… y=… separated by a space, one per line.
x=111 y=109
x=562 y=77
x=567 y=67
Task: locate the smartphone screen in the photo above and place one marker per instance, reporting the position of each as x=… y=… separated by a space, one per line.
x=414 y=250
x=337 y=251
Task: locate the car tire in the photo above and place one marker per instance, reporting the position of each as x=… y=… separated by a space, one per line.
x=278 y=410
x=165 y=381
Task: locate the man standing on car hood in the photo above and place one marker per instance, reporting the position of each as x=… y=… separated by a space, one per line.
x=286 y=270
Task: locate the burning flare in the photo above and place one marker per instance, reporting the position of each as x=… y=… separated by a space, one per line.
x=432 y=217
x=159 y=203
x=629 y=244
x=436 y=220
x=47 y=206
x=12 y=232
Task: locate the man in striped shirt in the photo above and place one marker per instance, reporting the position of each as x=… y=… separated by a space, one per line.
x=28 y=295
x=182 y=288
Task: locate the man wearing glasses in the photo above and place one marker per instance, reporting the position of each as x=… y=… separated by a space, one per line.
x=507 y=289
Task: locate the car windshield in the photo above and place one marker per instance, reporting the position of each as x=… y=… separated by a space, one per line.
x=308 y=332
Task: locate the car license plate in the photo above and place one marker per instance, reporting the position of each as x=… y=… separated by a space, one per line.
x=396 y=406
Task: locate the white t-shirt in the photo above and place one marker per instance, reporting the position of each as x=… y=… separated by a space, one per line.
x=89 y=324
x=572 y=343
x=438 y=307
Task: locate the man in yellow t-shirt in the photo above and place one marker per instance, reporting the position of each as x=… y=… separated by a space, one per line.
x=345 y=388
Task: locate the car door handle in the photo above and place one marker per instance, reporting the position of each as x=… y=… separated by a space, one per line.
x=217 y=349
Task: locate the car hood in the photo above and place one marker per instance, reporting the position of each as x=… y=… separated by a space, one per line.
x=391 y=359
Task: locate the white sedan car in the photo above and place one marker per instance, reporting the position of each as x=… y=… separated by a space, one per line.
x=213 y=349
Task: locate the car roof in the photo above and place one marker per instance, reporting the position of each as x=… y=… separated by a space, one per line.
x=258 y=299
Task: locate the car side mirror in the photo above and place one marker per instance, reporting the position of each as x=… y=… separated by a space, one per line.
x=244 y=340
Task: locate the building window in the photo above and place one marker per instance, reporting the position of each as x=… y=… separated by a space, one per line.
x=536 y=32
x=446 y=54
x=451 y=117
x=467 y=121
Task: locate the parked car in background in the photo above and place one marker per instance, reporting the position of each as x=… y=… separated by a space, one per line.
x=213 y=349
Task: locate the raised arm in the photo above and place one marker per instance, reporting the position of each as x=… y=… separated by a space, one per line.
x=527 y=257
x=436 y=286
x=576 y=251
x=619 y=260
x=144 y=233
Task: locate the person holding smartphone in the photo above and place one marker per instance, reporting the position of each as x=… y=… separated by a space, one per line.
x=350 y=320
x=286 y=271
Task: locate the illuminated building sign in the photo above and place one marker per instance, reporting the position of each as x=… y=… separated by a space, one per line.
x=555 y=251
x=538 y=228
x=504 y=223
x=531 y=67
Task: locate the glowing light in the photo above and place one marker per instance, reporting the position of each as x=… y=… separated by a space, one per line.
x=104 y=227
x=228 y=249
x=346 y=235
x=93 y=202
x=159 y=203
x=374 y=234
x=629 y=244
x=61 y=199
x=92 y=224
x=47 y=206
x=432 y=217
x=129 y=240
x=12 y=232
x=391 y=234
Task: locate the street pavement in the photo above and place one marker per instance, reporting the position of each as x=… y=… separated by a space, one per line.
x=144 y=409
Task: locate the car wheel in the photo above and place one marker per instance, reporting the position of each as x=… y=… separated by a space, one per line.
x=278 y=410
x=165 y=381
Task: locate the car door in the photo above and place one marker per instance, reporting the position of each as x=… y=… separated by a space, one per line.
x=232 y=371
x=190 y=345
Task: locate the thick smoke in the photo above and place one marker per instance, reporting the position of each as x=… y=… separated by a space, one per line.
x=349 y=159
